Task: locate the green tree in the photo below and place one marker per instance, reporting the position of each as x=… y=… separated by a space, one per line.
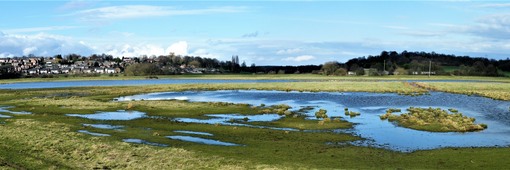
x=340 y=72
x=142 y=69
x=195 y=64
x=329 y=68
x=400 y=71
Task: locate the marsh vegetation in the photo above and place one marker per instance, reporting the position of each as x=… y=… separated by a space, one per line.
x=433 y=119
x=49 y=139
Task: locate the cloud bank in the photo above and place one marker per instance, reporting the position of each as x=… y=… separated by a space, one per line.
x=48 y=45
x=40 y=44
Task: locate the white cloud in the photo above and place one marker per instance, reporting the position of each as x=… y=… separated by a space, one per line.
x=299 y=58
x=422 y=33
x=40 y=44
x=140 y=11
x=38 y=29
x=289 y=51
x=492 y=26
x=136 y=50
x=75 y=4
x=48 y=45
x=179 y=48
x=495 y=5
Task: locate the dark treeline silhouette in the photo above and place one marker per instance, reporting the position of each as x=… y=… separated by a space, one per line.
x=418 y=62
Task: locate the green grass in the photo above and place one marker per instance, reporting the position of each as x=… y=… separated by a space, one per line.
x=48 y=140
x=499 y=91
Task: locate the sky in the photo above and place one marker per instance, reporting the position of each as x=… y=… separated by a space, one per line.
x=259 y=32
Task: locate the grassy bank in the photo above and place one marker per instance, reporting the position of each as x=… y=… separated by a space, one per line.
x=48 y=139
x=499 y=91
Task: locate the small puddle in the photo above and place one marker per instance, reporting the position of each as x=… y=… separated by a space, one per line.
x=4 y=116
x=193 y=132
x=4 y=110
x=92 y=133
x=104 y=126
x=140 y=141
x=117 y=115
x=202 y=140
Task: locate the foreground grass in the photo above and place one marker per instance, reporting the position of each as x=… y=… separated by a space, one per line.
x=38 y=145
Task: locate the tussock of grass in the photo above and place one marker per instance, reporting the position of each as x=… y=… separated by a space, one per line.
x=321 y=113
x=351 y=113
x=434 y=119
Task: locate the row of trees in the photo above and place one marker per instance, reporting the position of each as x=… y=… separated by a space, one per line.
x=417 y=62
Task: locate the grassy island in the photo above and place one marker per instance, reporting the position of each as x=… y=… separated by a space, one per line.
x=433 y=119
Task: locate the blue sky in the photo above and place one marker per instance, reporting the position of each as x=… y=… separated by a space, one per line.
x=260 y=32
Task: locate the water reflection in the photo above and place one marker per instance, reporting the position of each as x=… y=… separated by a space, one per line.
x=118 y=115
x=92 y=133
x=4 y=109
x=193 y=132
x=104 y=126
x=202 y=140
x=4 y=116
x=236 y=120
x=368 y=125
x=140 y=141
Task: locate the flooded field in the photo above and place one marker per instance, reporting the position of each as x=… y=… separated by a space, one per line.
x=377 y=133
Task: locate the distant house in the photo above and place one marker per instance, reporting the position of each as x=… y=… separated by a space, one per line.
x=99 y=70
x=55 y=71
x=32 y=71
x=351 y=73
x=110 y=70
x=87 y=70
x=426 y=72
x=66 y=70
x=43 y=71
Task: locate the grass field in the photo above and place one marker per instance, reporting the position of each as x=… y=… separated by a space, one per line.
x=47 y=139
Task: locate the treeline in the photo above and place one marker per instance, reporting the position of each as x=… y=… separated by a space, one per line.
x=417 y=62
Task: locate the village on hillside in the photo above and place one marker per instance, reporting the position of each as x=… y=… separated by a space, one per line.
x=32 y=66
